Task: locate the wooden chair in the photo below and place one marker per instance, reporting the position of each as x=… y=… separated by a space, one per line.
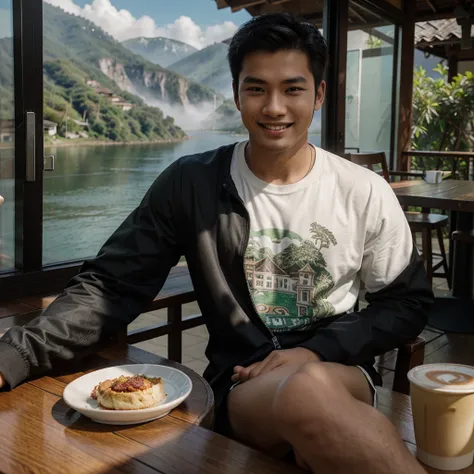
x=423 y=222
x=409 y=355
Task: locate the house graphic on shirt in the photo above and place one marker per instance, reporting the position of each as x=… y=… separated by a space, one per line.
x=266 y=276
x=288 y=280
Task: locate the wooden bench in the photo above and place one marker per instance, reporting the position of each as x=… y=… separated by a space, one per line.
x=178 y=290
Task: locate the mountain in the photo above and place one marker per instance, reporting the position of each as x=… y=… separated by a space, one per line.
x=208 y=67
x=102 y=58
x=162 y=51
x=81 y=110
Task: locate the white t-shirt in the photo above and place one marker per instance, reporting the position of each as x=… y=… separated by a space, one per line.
x=312 y=242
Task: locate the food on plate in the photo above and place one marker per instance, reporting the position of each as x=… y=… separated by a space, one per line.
x=132 y=392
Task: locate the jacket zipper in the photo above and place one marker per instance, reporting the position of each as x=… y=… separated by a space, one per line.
x=273 y=337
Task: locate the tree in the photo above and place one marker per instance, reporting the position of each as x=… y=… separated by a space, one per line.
x=443 y=116
x=322 y=237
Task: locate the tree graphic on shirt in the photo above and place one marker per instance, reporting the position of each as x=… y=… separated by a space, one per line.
x=322 y=237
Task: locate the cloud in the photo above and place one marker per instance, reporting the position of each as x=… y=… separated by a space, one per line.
x=122 y=25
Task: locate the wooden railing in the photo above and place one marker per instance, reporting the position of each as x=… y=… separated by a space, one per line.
x=178 y=290
x=454 y=156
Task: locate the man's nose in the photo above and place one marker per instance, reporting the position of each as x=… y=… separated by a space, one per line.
x=274 y=105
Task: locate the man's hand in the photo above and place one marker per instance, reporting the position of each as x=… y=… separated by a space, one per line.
x=298 y=355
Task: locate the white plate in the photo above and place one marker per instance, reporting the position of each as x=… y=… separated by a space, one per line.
x=77 y=394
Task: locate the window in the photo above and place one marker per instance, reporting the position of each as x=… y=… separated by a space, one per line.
x=304 y=296
x=95 y=187
x=369 y=85
x=7 y=140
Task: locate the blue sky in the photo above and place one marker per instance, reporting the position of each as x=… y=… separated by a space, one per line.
x=203 y=12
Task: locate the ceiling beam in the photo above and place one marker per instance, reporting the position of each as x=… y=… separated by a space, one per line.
x=440 y=15
x=254 y=4
x=430 y=4
x=354 y=13
x=238 y=4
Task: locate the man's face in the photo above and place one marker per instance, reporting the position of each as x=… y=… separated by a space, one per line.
x=276 y=97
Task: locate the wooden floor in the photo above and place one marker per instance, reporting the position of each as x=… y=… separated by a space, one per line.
x=440 y=346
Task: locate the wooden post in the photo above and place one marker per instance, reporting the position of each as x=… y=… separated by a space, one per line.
x=407 y=57
x=452 y=66
x=175 y=342
x=335 y=23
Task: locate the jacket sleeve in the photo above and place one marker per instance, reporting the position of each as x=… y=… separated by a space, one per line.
x=398 y=293
x=110 y=290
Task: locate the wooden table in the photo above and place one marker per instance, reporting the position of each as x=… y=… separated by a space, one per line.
x=457 y=197
x=41 y=434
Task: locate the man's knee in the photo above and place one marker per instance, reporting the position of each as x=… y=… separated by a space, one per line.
x=309 y=390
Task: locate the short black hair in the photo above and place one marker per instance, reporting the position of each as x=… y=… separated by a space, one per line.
x=273 y=32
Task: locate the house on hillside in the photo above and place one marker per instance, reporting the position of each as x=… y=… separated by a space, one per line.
x=93 y=84
x=49 y=127
x=125 y=106
x=104 y=92
x=120 y=102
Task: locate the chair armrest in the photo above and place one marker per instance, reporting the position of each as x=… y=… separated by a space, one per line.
x=463 y=236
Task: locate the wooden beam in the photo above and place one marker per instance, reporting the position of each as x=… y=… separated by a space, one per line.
x=354 y=13
x=335 y=23
x=407 y=57
x=430 y=4
x=256 y=4
x=439 y=15
x=239 y=4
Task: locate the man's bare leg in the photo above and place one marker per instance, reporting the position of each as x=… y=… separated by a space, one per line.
x=319 y=409
x=333 y=432
x=250 y=404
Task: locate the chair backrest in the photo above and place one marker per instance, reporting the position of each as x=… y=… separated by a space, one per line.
x=369 y=160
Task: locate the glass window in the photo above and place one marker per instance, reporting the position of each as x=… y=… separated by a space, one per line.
x=370 y=58
x=7 y=139
x=122 y=100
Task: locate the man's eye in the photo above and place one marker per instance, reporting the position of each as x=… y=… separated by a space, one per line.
x=255 y=89
x=295 y=89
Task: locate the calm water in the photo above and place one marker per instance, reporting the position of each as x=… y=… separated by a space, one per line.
x=94 y=188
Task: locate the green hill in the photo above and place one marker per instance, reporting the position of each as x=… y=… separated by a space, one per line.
x=68 y=101
x=226 y=118
x=98 y=54
x=209 y=67
x=77 y=51
x=162 y=51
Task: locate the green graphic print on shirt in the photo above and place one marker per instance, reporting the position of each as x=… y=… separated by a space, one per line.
x=287 y=276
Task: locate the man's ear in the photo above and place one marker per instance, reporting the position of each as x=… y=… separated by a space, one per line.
x=320 y=94
x=235 y=88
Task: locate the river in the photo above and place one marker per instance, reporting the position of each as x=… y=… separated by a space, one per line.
x=94 y=188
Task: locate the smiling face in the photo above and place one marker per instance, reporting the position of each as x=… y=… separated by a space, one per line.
x=276 y=97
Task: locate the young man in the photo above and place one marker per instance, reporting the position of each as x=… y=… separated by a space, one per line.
x=278 y=235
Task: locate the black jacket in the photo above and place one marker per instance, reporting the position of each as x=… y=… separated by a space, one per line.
x=193 y=209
